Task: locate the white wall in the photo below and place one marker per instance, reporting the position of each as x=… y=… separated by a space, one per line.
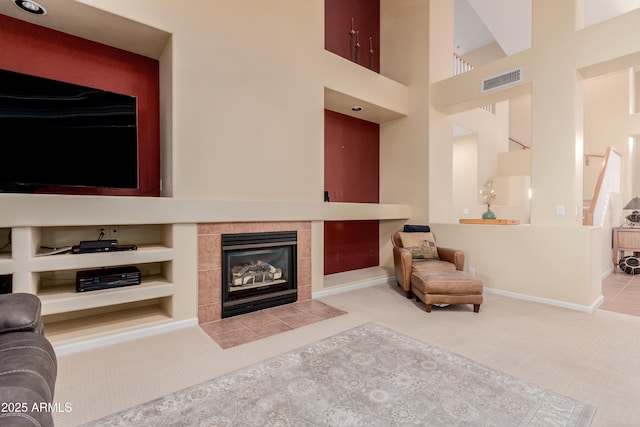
x=560 y=264
x=561 y=121
x=247 y=95
x=465 y=177
x=492 y=130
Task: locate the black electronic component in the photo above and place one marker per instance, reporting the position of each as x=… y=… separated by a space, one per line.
x=105 y=278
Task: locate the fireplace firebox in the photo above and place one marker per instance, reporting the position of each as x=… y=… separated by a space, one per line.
x=258 y=271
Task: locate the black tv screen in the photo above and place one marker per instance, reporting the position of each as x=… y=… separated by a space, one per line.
x=62 y=134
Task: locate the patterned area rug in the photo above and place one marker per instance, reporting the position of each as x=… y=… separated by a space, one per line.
x=366 y=376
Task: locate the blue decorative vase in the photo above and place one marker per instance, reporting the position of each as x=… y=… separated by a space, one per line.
x=488 y=214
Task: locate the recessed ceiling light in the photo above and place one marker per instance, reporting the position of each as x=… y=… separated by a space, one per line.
x=356 y=108
x=30 y=6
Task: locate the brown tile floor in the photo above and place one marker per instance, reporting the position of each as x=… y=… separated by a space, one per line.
x=245 y=328
x=621 y=293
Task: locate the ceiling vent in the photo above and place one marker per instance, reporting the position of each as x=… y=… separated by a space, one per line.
x=502 y=80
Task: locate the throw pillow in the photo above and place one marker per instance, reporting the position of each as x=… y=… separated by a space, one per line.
x=409 y=228
x=421 y=245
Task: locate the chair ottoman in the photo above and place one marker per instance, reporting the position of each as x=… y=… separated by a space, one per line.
x=446 y=287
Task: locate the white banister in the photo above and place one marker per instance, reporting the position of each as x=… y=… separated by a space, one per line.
x=460 y=65
x=608 y=182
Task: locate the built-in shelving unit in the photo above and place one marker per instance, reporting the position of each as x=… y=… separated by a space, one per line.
x=165 y=231
x=380 y=100
x=69 y=314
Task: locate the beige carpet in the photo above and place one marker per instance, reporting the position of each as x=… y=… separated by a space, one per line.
x=593 y=358
x=366 y=376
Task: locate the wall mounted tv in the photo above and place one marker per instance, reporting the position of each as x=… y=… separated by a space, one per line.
x=62 y=134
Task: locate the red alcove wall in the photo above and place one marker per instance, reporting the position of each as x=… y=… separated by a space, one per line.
x=351 y=159
x=351 y=174
x=43 y=52
x=351 y=145
x=350 y=245
x=366 y=20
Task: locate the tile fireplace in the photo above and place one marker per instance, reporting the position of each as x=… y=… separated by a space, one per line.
x=210 y=260
x=259 y=270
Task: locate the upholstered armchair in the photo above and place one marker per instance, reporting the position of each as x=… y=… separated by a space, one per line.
x=405 y=261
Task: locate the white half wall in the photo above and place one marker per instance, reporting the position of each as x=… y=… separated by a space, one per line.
x=553 y=263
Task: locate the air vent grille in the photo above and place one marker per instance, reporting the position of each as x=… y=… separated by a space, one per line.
x=505 y=79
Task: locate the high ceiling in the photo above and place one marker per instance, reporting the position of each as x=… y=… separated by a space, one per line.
x=508 y=22
x=479 y=23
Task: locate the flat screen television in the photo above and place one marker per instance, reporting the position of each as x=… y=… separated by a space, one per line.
x=62 y=134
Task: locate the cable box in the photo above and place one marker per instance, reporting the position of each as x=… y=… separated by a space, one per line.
x=93 y=244
x=106 y=278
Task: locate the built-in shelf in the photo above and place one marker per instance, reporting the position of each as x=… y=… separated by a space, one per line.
x=338 y=211
x=77 y=316
x=144 y=254
x=348 y=84
x=64 y=298
x=99 y=325
x=6 y=264
x=76 y=211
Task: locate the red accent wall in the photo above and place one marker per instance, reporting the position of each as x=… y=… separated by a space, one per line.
x=366 y=20
x=351 y=159
x=351 y=174
x=350 y=245
x=43 y=52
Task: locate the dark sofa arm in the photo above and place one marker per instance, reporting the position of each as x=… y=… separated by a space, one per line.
x=20 y=313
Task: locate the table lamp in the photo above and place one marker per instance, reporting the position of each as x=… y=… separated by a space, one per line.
x=634 y=217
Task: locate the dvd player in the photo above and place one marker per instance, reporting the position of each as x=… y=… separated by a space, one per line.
x=88 y=249
x=106 y=278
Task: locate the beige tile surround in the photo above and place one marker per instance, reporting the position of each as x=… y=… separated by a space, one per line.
x=210 y=267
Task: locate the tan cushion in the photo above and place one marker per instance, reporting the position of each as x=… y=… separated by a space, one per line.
x=432 y=265
x=421 y=245
x=446 y=283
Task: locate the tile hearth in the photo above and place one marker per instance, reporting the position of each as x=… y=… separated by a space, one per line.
x=249 y=327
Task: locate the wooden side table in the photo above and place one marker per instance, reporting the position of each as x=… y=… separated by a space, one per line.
x=625 y=239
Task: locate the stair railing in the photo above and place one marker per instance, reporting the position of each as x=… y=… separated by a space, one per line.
x=608 y=182
x=521 y=144
x=460 y=65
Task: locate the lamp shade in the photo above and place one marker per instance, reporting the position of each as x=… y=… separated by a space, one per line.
x=634 y=204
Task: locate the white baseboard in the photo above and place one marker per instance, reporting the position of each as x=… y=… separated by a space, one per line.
x=606 y=273
x=348 y=288
x=391 y=280
x=122 y=337
x=577 y=307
